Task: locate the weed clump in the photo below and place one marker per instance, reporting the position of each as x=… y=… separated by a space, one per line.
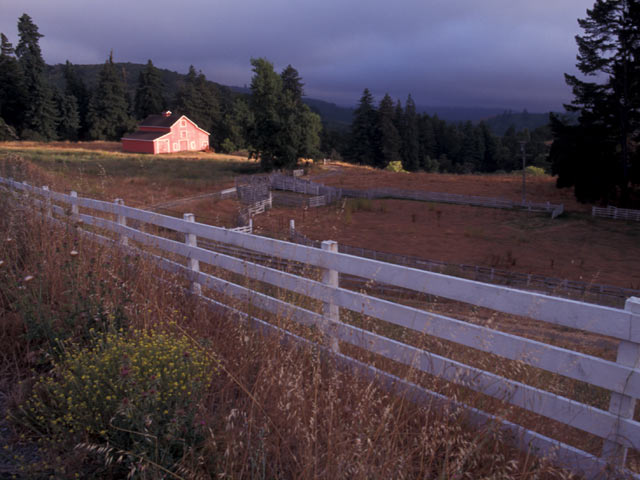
x=133 y=397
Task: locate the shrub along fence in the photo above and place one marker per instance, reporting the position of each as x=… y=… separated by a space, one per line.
x=616 y=213
x=621 y=379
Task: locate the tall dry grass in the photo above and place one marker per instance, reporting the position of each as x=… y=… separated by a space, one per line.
x=273 y=409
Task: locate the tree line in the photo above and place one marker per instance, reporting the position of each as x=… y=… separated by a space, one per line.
x=272 y=123
x=391 y=132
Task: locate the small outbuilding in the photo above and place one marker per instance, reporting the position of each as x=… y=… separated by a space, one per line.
x=166 y=133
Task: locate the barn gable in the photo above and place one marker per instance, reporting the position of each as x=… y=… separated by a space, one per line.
x=166 y=133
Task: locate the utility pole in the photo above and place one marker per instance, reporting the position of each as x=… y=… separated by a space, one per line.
x=524 y=185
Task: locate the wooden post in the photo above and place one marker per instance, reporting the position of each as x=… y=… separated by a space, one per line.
x=614 y=449
x=47 y=200
x=121 y=220
x=191 y=240
x=330 y=311
x=251 y=225
x=292 y=227
x=75 y=210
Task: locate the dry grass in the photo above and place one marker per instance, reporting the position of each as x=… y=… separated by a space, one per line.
x=274 y=411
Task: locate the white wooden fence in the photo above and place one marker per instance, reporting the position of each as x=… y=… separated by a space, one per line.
x=331 y=194
x=227 y=193
x=617 y=213
x=616 y=426
x=599 y=293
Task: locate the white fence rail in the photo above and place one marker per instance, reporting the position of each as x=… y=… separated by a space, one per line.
x=598 y=293
x=227 y=193
x=616 y=426
x=616 y=213
x=308 y=187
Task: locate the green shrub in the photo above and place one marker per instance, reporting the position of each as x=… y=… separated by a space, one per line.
x=535 y=171
x=134 y=398
x=395 y=167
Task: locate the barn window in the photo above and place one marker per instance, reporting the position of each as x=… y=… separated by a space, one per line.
x=193 y=145
x=183 y=134
x=183 y=123
x=175 y=146
x=204 y=144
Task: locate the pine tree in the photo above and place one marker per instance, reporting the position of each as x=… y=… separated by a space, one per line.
x=108 y=117
x=12 y=93
x=74 y=86
x=410 y=147
x=69 y=118
x=609 y=50
x=364 y=132
x=299 y=126
x=199 y=100
x=40 y=114
x=390 y=141
x=149 y=99
x=266 y=88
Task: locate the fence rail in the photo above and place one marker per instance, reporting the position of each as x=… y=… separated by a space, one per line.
x=331 y=194
x=616 y=213
x=227 y=193
x=615 y=426
x=604 y=294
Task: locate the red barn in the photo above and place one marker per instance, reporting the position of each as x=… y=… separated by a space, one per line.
x=166 y=133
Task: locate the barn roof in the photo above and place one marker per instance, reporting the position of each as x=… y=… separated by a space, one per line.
x=145 y=136
x=160 y=120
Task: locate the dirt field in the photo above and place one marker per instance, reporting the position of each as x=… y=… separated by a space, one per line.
x=574 y=246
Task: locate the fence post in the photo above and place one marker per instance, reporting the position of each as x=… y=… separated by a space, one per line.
x=623 y=406
x=47 y=200
x=75 y=210
x=251 y=225
x=121 y=220
x=330 y=311
x=292 y=227
x=191 y=240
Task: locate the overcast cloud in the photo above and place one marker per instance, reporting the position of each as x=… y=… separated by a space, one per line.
x=490 y=53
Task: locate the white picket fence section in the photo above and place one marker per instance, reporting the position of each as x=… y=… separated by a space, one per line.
x=616 y=213
x=616 y=426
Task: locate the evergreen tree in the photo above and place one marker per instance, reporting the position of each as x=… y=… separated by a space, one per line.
x=69 y=118
x=427 y=144
x=364 y=132
x=609 y=50
x=282 y=128
x=266 y=87
x=299 y=126
x=108 y=117
x=199 y=100
x=390 y=141
x=12 y=93
x=410 y=146
x=40 y=114
x=74 y=86
x=489 y=161
x=236 y=121
x=149 y=99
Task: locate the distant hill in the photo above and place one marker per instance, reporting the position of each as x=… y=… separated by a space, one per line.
x=334 y=116
x=499 y=124
x=131 y=71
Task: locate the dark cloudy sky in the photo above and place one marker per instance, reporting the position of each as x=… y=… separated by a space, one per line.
x=480 y=53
